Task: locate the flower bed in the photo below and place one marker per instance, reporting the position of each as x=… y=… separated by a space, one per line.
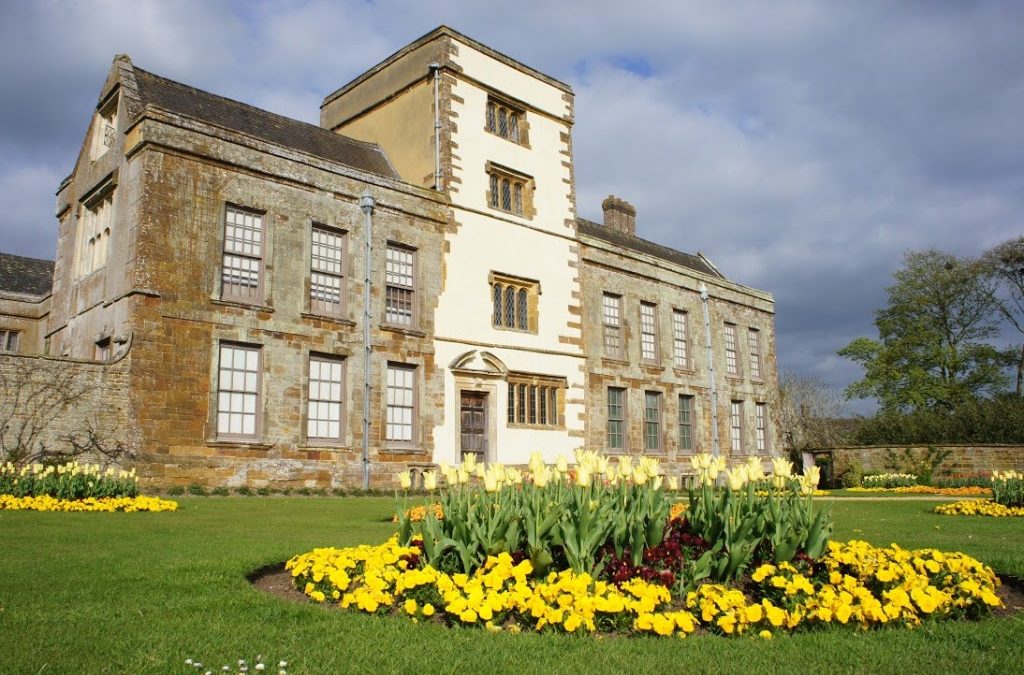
x=853 y=584
x=979 y=507
x=967 y=491
x=47 y=503
x=890 y=480
x=74 y=487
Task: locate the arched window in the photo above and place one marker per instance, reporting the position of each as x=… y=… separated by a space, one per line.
x=521 y=309
x=494 y=191
x=517 y=204
x=502 y=122
x=513 y=128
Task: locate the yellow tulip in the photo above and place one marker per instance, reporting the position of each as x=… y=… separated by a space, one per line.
x=404 y=479
x=429 y=480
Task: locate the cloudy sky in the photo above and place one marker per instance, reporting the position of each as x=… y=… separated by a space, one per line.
x=802 y=146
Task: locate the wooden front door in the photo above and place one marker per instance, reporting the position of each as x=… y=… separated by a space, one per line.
x=473 y=421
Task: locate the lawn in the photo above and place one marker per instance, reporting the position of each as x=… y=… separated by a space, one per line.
x=135 y=593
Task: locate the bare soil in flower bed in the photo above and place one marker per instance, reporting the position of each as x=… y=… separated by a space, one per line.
x=275 y=580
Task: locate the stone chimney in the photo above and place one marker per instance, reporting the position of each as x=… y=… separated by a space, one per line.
x=619 y=215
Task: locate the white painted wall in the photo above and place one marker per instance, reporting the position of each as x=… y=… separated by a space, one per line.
x=537 y=248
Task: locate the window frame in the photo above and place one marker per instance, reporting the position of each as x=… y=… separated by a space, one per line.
x=653 y=333
x=413 y=370
x=95 y=223
x=754 y=349
x=761 y=428
x=612 y=330
x=681 y=357
x=658 y=421
x=498 y=113
x=686 y=408
x=732 y=360
x=413 y=290
x=322 y=307
x=523 y=312
x=253 y=297
x=10 y=340
x=258 y=407
x=531 y=395
x=342 y=402
x=736 y=426
x=623 y=405
x=520 y=188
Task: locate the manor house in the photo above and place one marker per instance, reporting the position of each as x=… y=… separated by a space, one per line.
x=266 y=301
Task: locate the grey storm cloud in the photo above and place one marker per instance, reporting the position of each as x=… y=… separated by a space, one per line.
x=802 y=146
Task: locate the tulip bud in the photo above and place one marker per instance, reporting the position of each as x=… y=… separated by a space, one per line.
x=673 y=483
x=469 y=462
x=562 y=464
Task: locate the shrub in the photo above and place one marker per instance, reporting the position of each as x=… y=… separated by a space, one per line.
x=175 y=490
x=243 y=490
x=263 y=491
x=220 y=491
x=853 y=475
x=305 y=491
x=197 y=490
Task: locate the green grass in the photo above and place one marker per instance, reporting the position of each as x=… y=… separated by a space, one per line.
x=140 y=593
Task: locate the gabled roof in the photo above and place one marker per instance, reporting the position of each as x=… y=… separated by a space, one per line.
x=694 y=262
x=224 y=112
x=25 y=276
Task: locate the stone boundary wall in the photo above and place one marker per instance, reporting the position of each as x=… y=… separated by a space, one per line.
x=104 y=406
x=964 y=460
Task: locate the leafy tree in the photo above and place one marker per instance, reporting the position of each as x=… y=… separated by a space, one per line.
x=1004 y=264
x=933 y=348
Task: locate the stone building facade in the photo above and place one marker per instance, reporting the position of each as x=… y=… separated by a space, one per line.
x=221 y=255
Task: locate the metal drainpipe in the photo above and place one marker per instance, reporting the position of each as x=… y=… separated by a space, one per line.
x=366 y=203
x=436 y=69
x=711 y=370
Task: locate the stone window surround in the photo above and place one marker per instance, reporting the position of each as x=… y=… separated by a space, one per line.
x=104 y=132
x=493 y=201
x=532 y=311
x=90 y=242
x=518 y=134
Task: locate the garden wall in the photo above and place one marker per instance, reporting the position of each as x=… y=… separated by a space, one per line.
x=964 y=460
x=45 y=401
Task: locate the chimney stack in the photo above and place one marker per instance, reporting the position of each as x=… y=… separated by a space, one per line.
x=619 y=215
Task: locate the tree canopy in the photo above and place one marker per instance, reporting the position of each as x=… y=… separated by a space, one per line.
x=934 y=345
